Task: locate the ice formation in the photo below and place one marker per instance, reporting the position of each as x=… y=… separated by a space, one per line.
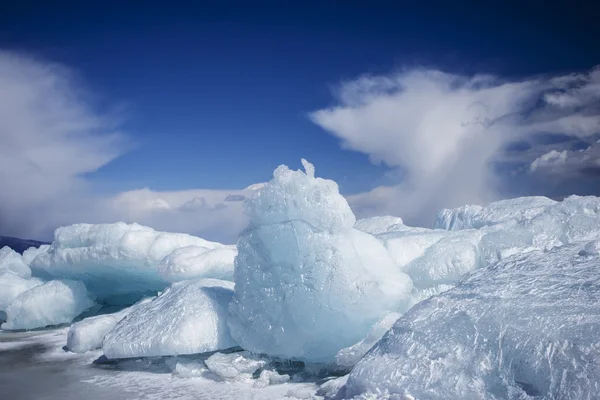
x=307 y=283
x=351 y=355
x=194 y=262
x=188 y=317
x=118 y=262
x=234 y=366
x=53 y=303
x=33 y=252
x=11 y=286
x=525 y=327
x=11 y=261
x=88 y=334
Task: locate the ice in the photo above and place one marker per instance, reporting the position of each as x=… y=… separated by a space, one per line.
x=33 y=252
x=351 y=355
x=88 y=334
x=503 y=211
x=382 y=224
x=194 y=262
x=591 y=249
x=53 y=303
x=234 y=366
x=526 y=327
x=268 y=377
x=188 y=317
x=307 y=283
x=11 y=286
x=118 y=262
x=11 y=261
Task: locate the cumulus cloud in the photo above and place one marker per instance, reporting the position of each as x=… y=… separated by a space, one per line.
x=445 y=131
x=52 y=135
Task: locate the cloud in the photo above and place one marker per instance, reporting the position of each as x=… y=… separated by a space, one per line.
x=52 y=135
x=446 y=131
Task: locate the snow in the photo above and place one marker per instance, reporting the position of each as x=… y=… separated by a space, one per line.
x=526 y=326
x=11 y=286
x=11 y=261
x=188 y=317
x=194 y=262
x=118 y=262
x=307 y=283
x=53 y=303
x=88 y=334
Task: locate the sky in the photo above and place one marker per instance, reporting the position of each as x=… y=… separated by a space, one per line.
x=165 y=114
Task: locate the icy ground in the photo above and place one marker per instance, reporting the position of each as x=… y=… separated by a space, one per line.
x=34 y=366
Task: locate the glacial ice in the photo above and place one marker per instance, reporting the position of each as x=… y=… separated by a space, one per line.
x=53 y=303
x=193 y=262
x=307 y=283
x=188 y=317
x=526 y=327
x=11 y=261
x=88 y=334
x=118 y=262
x=11 y=286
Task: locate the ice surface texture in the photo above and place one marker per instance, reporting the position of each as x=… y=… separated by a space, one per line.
x=11 y=261
x=11 y=286
x=119 y=263
x=527 y=326
x=88 y=334
x=187 y=318
x=307 y=283
x=53 y=303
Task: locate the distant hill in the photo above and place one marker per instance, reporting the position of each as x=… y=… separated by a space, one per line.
x=19 y=245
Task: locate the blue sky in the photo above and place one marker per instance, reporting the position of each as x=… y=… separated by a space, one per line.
x=217 y=95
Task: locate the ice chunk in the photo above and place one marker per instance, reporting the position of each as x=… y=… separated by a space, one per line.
x=526 y=327
x=234 y=366
x=53 y=303
x=591 y=249
x=268 y=377
x=88 y=334
x=183 y=368
x=350 y=355
x=379 y=225
x=511 y=210
x=11 y=286
x=307 y=283
x=193 y=262
x=333 y=388
x=11 y=261
x=33 y=252
x=117 y=262
x=188 y=317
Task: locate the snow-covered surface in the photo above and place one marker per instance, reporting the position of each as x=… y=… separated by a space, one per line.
x=527 y=326
x=88 y=334
x=53 y=303
x=307 y=283
x=189 y=317
x=11 y=286
x=11 y=261
x=193 y=262
x=118 y=262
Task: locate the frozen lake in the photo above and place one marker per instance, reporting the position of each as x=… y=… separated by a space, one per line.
x=33 y=365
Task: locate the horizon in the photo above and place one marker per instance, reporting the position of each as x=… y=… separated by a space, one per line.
x=156 y=115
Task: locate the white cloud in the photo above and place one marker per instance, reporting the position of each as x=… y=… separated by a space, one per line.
x=51 y=136
x=446 y=129
x=551 y=159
